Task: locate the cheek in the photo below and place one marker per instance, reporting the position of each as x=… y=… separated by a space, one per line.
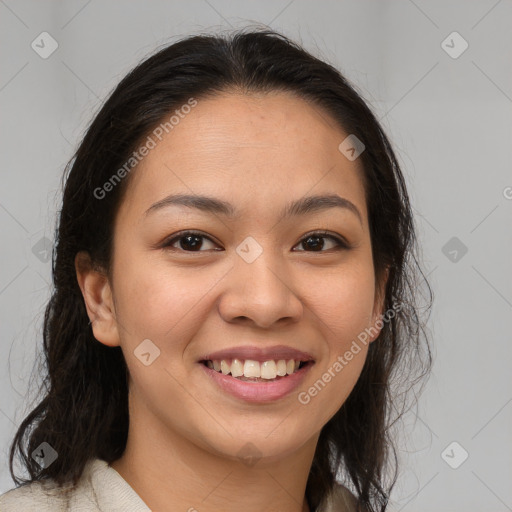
x=157 y=300
x=344 y=302
x=345 y=310
x=334 y=381
x=346 y=314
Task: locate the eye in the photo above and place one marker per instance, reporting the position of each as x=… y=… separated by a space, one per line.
x=191 y=241
x=315 y=241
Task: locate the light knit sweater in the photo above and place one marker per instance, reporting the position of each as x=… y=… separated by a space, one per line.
x=102 y=489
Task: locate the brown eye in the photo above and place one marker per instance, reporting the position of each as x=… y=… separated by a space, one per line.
x=188 y=241
x=191 y=241
x=315 y=242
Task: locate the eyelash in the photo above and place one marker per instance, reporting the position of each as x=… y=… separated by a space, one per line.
x=340 y=242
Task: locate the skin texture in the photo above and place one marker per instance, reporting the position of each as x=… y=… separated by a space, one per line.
x=259 y=152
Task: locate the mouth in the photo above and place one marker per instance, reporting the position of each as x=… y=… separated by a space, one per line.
x=256 y=382
x=255 y=373
x=249 y=370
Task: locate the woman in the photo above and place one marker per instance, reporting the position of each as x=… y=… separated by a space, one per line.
x=234 y=294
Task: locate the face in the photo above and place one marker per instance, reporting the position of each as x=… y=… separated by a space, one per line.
x=248 y=283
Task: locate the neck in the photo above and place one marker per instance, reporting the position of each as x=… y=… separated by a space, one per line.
x=169 y=472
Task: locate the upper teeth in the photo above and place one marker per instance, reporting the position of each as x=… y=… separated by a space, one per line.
x=249 y=368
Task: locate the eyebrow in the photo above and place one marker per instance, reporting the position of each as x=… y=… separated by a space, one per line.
x=302 y=206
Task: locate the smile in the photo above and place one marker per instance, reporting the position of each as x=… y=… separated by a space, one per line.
x=256 y=382
x=249 y=370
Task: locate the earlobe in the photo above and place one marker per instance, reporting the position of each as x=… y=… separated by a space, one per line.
x=97 y=295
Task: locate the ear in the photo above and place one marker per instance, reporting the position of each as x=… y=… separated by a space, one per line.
x=378 y=307
x=98 y=299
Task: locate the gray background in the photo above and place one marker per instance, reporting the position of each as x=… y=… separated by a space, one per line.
x=450 y=121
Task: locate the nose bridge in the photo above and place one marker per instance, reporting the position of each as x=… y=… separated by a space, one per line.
x=259 y=266
x=259 y=289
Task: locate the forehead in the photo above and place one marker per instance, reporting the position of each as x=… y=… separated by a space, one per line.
x=261 y=149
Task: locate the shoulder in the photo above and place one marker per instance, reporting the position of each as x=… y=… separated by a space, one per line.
x=340 y=499
x=100 y=487
x=35 y=496
x=47 y=496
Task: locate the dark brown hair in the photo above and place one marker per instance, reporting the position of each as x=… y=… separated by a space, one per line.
x=83 y=411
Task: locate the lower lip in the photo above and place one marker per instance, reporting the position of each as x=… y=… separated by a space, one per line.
x=257 y=391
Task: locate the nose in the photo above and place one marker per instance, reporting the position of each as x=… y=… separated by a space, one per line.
x=261 y=293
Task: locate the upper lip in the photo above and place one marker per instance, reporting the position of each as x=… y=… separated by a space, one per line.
x=260 y=354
